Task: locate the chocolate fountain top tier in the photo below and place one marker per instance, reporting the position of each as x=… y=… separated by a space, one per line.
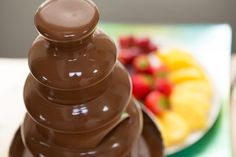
x=70 y=53
x=66 y=21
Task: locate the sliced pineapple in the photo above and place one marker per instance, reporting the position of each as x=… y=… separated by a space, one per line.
x=173 y=127
x=202 y=87
x=193 y=107
x=177 y=59
x=164 y=132
x=185 y=74
x=191 y=97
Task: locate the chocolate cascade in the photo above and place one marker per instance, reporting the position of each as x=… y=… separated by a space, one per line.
x=78 y=97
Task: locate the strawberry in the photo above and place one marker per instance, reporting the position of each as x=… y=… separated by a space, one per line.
x=146 y=45
x=152 y=70
x=126 y=41
x=143 y=43
x=156 y=102
x=160 y=71
x=142 y=85
x=164 y=86
x=141 y=63
x=126 y=56
x=152 y=47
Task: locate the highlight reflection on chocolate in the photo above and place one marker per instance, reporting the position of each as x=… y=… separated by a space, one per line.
x=77 y=96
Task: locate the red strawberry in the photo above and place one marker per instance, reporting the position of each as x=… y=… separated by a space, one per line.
x=152 y=70
x=142 y=85
x=159 y=72
x=143 y=43
x=126 y=56
x=152 y=47
x=126 y=41
x=156 y=102
x=164 y=86
x=141 y=63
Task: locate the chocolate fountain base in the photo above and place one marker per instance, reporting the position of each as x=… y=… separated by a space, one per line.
x=149 y=144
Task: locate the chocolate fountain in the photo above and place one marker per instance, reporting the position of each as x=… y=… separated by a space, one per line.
x=78 y=97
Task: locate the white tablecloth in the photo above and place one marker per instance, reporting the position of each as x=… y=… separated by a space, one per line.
x=13 y=73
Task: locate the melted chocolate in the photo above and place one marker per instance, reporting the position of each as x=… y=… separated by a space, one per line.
x=77 y=96
x=147 y=146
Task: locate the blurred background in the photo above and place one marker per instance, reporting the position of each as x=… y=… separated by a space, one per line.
x=17 y=33
x=17 y=30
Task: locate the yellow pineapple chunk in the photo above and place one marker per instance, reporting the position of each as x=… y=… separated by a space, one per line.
x=202 y=87
x=186 y=74
x=193 y=107
x=178 y=59
x=173 y=128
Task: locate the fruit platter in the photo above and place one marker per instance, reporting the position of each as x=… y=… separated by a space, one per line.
x=174 y=87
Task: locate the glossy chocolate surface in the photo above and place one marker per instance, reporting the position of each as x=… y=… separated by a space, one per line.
x=78 y=97
x=118 y=141
x=61 y=20
x=147 y=146
x=77 y=66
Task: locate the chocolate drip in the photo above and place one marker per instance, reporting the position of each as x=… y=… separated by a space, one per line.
x=77 y=96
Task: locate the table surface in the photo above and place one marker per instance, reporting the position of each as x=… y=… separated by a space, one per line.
x=215 y=143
